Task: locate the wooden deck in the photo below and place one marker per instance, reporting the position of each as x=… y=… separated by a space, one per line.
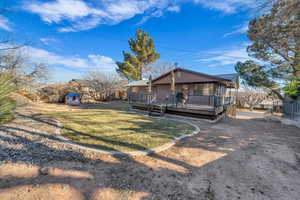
x=202 y=106
x=201 y=111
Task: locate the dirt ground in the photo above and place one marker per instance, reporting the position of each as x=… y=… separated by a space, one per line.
x=233 y=159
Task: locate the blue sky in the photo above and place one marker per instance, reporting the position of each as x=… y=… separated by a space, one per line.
x=76 y=36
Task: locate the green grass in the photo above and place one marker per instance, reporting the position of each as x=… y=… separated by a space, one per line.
x=114 y=128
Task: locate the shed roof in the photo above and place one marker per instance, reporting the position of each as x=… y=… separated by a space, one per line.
x=73 y=95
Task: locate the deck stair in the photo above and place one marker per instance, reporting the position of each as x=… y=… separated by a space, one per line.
x=156 y=111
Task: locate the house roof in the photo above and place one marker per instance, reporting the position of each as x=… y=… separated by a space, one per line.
x=139 y=83
x=231 y=77
x=197 y=77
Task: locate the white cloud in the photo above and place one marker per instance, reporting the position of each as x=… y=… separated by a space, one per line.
x=156 y=14
x=228 y=56
x=84 y=16
x=227 y=6
x=103 y=63
x=240 y=30
x=78 y=15
x=46 y=41
x=41 y=55
x=5 y=24
x=59 y=10
x=100 y=62
x=174 y=8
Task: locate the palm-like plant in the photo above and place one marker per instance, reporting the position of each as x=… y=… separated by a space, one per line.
x=7 y=104
x=293 y=88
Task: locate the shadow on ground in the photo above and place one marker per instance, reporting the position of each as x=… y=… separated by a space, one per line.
x=234 y=159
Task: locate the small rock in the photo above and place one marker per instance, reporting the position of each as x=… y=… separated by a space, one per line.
x=44 y=171
x=261 y=192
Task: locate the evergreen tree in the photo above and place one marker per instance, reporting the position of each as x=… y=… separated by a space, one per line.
x=276 y=42
x=144 y=53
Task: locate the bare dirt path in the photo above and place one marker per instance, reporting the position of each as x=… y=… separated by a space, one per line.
x=234 y=159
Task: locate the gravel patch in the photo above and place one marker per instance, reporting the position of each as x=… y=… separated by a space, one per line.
x=31 y=139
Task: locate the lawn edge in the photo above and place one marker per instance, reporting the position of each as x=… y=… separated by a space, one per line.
x=133 y=153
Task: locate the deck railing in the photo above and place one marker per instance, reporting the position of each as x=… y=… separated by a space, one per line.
x=171 y=100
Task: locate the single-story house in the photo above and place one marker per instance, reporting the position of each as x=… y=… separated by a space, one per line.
x=186 y=91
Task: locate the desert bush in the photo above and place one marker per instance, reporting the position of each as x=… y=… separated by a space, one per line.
x=7 y=104
x=32 y=95
x=49 y=95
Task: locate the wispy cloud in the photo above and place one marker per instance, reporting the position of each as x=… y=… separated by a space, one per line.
x=227 y=6
x=47 y=40
x=82 y=15
x=240 y=30
x=78 y=15
x=5 y=24
x=92 y=61
x=226 y=56
x=174 y=8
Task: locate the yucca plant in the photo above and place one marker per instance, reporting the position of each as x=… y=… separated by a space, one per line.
x=7 y=104
x=293 y=88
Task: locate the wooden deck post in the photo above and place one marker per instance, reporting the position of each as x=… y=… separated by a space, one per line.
x=173 y=86
x=150 y=85
x=173 y=89
x=149 y=89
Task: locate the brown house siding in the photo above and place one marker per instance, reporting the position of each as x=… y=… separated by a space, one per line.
x=140 y=89
x=164 y=91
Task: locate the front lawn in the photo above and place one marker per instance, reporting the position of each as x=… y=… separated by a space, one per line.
x=112 y=127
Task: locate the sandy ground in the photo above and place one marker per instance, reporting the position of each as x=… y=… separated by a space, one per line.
x=233 y=159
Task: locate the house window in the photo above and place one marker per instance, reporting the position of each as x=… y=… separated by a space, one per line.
x=221 y=91
x=204 y=89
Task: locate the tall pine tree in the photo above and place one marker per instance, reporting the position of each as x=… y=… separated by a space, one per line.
x=144 y=53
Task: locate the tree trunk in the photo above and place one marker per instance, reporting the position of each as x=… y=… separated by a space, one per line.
x=251 y=107
x=297 y=74
x=278 y=94
x=296 y=64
